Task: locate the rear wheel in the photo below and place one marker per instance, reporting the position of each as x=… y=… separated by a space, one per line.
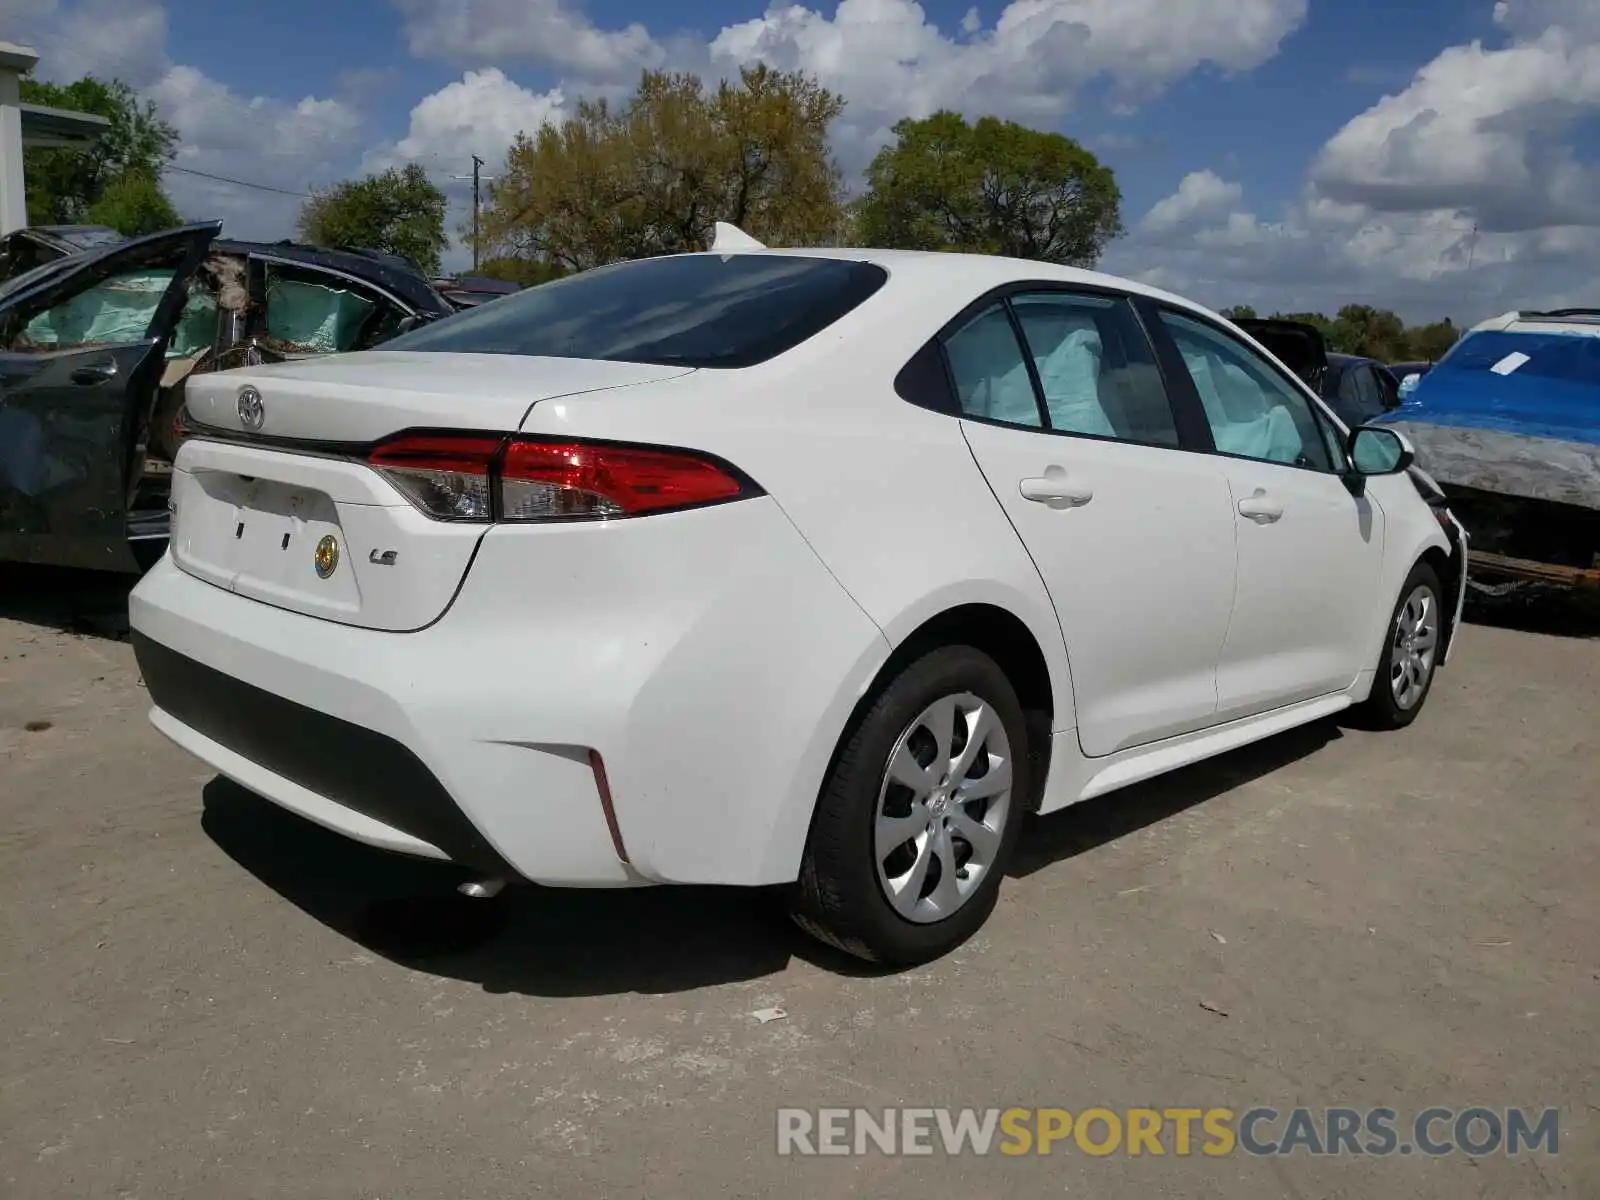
x=1410 y=653
x=916 y=820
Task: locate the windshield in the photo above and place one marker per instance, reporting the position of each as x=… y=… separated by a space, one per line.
x=1565 y=357
x=697 y=310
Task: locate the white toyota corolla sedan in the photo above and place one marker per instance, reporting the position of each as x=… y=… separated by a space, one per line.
x=814 y=567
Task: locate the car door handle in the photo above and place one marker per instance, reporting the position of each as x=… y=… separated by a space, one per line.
x=1260 y=508
x=91 y=374
x=1055 y=489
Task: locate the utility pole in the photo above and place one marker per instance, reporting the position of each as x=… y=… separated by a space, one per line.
x=1472 y=246
x=476 y=164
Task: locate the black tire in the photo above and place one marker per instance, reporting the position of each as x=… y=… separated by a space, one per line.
x=838 y=897
x=1383 y=709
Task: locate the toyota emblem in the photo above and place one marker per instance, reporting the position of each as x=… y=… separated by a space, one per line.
x=251 y=411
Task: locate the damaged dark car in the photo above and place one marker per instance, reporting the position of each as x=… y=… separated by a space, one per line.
x=98 y=335
x=1358 y=389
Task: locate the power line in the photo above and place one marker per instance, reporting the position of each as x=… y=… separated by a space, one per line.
x=260 y=187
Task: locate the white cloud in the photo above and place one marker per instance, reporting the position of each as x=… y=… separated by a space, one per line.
x=1461 y=194
x=285 y=144
x=481 y=113
x=1200 y=194
x=538 y=31
x=292 y=146
x=1529 y=18
x=887 y=58
x=1485 y=130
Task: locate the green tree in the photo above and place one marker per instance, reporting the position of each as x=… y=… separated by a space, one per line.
x=1240 y=312
x=63 y=185
x=527 y=272
x=653 y=175
x=1431 y=342
x=993 y=187
x=399 y=212
x=133 y=204
x=1370 y=332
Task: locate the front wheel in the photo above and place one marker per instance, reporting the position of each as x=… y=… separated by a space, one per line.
x=916 y=820
x=1410 y=653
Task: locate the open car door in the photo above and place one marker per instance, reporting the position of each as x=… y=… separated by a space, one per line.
x=81 y=357
x=1298 y=346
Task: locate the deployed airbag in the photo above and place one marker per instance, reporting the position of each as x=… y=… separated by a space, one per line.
x=1236 y=409
x=314 y=318
x=114 y=312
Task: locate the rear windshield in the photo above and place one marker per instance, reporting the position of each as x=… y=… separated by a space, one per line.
x=698 y=310
x=1567 y=357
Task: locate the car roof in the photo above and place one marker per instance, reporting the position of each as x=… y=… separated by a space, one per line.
x=978 y=272
x=1559 y=320
x=388 y=271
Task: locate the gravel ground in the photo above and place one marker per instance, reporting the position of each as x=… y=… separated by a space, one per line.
x=206 y=997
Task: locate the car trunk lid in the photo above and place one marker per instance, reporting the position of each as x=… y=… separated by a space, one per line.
x=273 y=498
x=360 y=398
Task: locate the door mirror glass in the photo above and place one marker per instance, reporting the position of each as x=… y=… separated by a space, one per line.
x=1375 y=450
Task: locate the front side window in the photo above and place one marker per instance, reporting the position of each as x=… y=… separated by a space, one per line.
x=1253 y=411
x=692 y=310
x=112 y=312
x=309 y=312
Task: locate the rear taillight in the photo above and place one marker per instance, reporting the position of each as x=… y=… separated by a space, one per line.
x=445 y=476
x=545 y=481
x=476 y=478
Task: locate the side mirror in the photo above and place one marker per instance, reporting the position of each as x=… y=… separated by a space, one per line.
x=1379 y=450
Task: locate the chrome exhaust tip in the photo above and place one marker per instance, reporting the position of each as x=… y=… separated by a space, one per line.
x=482 y=889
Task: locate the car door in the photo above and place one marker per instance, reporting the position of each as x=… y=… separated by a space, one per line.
x=1362 y=395
x=1309 y=551
x=1341 y=391
x=1066 y=415
x=81 y=356
x=308 y=308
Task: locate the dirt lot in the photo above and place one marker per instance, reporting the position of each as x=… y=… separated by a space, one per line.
x=204 y=997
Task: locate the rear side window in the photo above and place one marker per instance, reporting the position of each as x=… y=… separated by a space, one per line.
x=699 y=310
x=1096 y=368
x=990 y=374
x=1095 y=372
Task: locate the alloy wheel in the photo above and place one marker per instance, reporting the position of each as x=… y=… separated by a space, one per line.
x=1416 y=640
x=942 y=806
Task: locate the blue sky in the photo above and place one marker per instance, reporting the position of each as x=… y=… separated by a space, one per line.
x=1440 y=156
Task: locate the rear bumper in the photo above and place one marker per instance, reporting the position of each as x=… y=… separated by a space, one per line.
x=304 y=756
x=707 y=657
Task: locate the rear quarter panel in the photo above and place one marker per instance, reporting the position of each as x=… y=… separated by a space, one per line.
x=886 y=494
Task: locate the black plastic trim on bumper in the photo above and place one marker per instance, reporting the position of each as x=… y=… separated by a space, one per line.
x=349 y=764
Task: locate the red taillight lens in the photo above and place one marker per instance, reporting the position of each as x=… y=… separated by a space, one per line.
x=449 y=478
x=555 y=481
x=475 y=478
